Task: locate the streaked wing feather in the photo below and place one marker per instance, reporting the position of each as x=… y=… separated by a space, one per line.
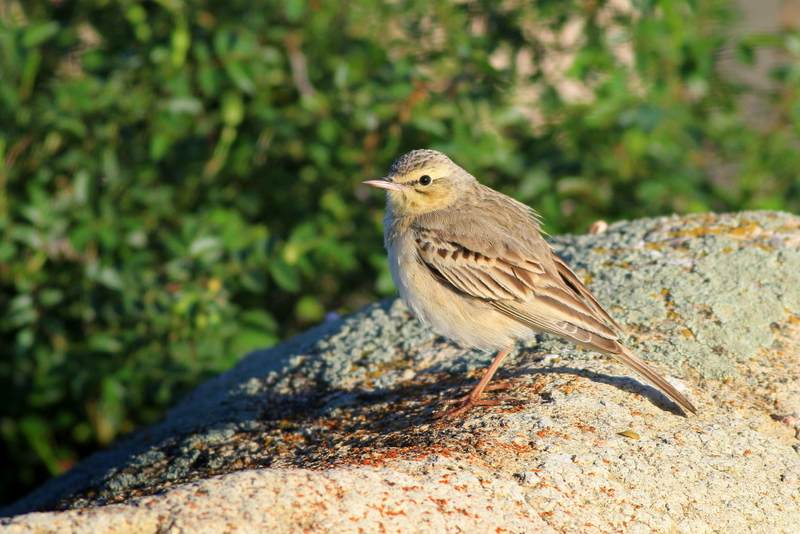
x=558 y=310
x=476 y=274
x=575 y=283
x=542 y=316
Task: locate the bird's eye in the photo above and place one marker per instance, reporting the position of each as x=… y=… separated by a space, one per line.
x=424 y=179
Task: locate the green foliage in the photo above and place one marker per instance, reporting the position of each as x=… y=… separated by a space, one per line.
x=180 y=180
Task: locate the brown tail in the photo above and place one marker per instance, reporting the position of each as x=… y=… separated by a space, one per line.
x=639 y=366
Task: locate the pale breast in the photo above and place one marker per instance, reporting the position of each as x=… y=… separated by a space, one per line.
x=464 y=319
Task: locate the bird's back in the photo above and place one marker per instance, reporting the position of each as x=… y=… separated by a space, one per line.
x=490 y=223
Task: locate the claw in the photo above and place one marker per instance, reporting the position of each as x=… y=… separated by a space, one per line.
x=474 y=397
x=466 y=402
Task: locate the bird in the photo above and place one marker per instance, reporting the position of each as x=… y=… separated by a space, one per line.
x=474 y=263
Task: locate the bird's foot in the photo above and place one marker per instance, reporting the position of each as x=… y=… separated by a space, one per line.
x=463 y=404
x=506 y=384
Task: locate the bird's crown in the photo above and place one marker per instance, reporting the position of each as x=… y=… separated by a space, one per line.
x=418 y=159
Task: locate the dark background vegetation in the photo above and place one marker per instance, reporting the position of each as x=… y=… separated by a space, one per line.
x=180 y=180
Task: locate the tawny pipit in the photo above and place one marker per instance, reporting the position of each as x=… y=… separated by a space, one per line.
x=473 y=263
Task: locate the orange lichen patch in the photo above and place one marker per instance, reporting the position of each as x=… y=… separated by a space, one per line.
x=693 y=232
x=789 y=227
x=551 y=433
x=384 y=511
x=701 y=226
x=745 y=230
x=584 y=427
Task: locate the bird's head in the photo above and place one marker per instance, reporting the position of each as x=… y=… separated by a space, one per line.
x=423 y=181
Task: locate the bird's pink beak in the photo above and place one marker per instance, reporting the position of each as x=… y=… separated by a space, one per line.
x=384 y=183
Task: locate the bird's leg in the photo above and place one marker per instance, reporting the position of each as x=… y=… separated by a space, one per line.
x=473 y=397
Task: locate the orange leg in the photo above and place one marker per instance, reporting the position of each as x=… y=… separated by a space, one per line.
x=473 y=397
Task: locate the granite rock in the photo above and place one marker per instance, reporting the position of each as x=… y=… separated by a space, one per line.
x=333 y=431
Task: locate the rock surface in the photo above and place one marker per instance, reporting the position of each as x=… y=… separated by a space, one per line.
x=333 y=431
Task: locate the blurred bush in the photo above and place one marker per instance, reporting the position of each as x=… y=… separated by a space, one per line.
x=180 y=180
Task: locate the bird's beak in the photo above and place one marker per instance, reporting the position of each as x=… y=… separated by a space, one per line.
x=384 y=183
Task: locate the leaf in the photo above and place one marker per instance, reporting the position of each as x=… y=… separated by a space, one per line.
x=7 y=251
x=207 y=248
x=309 y=309
x=39 y=438
x=103 y=342
x=39 y=33
x=259 y=318
x=232 y=108
x=239 y=75
x=249 y=340
x=285 y=275
x=22 y=311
